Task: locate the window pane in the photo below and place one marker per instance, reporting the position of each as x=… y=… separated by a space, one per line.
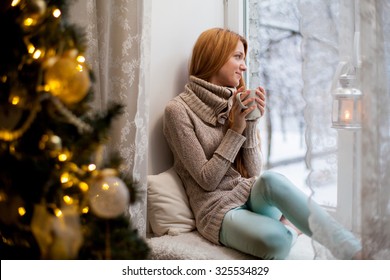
x=275 y=62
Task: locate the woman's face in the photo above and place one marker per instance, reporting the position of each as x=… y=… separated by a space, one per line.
x=231 y=72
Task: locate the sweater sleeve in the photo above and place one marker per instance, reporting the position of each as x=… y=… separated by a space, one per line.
x=251 y=149
x=181 y=137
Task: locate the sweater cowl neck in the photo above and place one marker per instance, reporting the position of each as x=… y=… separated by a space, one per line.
x=208 y=101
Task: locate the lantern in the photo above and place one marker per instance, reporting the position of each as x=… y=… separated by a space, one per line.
x=347 y=104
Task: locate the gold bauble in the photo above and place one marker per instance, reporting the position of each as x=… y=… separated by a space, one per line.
x=33 y=12
x=51 y=143
x=108 y=195
x=68 y=80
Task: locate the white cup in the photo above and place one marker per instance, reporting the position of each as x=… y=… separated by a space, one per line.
x=255 y=114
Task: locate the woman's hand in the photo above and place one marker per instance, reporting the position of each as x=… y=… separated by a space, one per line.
x=237 y=115
x=237 y=121
x=260 y=91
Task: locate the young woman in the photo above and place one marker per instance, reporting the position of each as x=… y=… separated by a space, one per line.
x=217 y=156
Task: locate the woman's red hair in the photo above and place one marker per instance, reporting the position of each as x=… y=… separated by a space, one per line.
x=212 y=50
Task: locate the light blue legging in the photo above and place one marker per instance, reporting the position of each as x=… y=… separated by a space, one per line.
x=255 y=227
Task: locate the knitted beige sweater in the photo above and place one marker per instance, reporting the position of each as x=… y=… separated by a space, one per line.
x=204 y=148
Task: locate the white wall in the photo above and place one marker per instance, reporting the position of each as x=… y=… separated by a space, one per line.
x=175 y=26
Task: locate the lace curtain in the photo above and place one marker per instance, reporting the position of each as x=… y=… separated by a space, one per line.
x=375 y=84
x=118 y=47
x=321 y=35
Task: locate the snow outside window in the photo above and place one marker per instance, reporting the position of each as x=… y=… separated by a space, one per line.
x=275 y=61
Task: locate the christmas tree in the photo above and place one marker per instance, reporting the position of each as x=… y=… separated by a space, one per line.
x=62 y=195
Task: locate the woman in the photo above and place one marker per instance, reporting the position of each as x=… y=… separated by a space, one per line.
x=217 y=156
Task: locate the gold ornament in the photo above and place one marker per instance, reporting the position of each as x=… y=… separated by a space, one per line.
x=33 y=12
x=108 y=195
x=68 y=80
x=51 y=143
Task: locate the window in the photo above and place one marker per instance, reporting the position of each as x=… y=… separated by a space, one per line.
x=272 y=28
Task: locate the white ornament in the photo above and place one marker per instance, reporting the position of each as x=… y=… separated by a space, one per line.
x=108 y=196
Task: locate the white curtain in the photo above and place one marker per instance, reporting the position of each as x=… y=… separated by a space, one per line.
x=375 y=165
x=370 y=55
x=118 y=52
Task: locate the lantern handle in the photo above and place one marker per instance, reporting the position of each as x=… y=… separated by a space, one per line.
x=350 y=69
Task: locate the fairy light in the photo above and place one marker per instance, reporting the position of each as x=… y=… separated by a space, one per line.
x=12 y=148
x=21 y=211
x=68 y=200
x=63 y=157
x=91 y=167
x=85 y=210
x=29 y=21
x=46 y=88
x=83 y=186
x=80 y=68
x=58 y=212
x=56 y=13
x=15 y=3
x=105 y=187
x=64 y=178
x=80 y=59
x=31 y=49
x=37 y=54
x=15 y=100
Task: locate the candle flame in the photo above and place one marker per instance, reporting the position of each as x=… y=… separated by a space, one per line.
x=347 y=115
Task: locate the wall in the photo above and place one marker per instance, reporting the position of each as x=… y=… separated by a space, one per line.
x=175 y=26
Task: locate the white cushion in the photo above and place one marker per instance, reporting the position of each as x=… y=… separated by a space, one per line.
x=168 y=207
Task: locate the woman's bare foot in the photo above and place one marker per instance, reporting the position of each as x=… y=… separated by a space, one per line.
x=284 y=221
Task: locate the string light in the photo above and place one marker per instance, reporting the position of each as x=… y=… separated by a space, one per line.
x=31 y=48
x=68 y=200
x=79 y=68
x=80 y=59
x=37 y=54
x=56 y=13
x=29 y=22
x=15 y=100
x=85 y=210
x=62 y=157
x=91 y=167
x=64 y=178
x=83 y=186
x=58 y=212
x=105 y=187
x=15 y=3
x=21 y=211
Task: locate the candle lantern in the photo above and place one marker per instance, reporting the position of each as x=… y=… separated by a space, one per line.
x=347 y=104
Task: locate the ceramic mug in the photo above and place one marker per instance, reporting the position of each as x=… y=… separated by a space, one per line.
x=255 y=114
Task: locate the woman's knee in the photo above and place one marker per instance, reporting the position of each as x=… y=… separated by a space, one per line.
x=275 y=182
x=271 y=177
